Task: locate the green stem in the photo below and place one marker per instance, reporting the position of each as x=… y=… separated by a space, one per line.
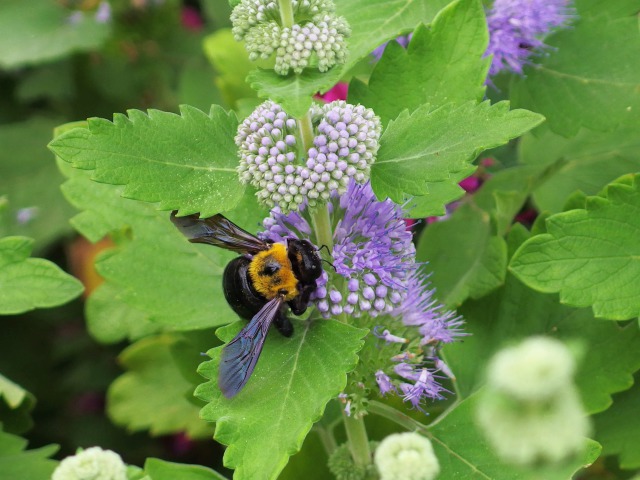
x=306 y=130
x=396 y=416
x=286 y=13
x=327 y=439
x=358 y=440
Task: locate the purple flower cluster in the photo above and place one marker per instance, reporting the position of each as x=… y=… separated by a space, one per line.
x=516 y=29
x=344 y=147
x=376 y=274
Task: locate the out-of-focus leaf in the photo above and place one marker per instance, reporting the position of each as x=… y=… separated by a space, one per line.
x=158 y=469
x=16 y=463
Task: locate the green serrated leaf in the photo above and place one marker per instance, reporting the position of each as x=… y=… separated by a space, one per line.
x=589 y=161
x=464 y=453
x=467 y=265
x=441 y=65
x=432 y=145
x=161 y=470
x=618 y=428
x=293 y=381
x=42 y=31
x=153 y=394
x=155 y=272
x=514 y=312
x=28 y=283
x=184 y=162
x=16 y=463
x=598 y=91
x=591 y=256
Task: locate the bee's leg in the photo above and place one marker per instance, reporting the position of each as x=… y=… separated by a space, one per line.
x=283 y=324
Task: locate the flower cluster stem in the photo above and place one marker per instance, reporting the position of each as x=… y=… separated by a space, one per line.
x=358 y=439
x=286 y=13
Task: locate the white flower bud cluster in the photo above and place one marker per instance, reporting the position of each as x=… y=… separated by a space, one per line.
x=344 y=147
x=406 y=456
x=531 y=411
x=91 y=464
x=319 y=38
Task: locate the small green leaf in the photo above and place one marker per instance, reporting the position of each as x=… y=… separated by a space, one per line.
x=589 y=161
x=464 y=453
x=184 y=162
x=469 y=265
x=441 y=65
x=44 y=32
x=514 y=312
x=597 y=91
x=158 y=469
x=591 y=256
x=433 y=145
x=15 y=406
x=153 y=394
x=618 y=428
x=292 y=382
x=28 y=283
x=16 y=463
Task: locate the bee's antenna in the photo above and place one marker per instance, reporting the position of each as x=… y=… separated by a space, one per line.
x=324 y=246
x=332 y=265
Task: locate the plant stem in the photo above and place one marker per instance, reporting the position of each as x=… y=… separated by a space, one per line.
x=286 y=13
x=306 y=130
x=327 y=439
x=357 y=439
x=396 y=416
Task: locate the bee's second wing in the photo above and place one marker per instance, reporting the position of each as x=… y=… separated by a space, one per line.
x=219 y=231
x=240 y=355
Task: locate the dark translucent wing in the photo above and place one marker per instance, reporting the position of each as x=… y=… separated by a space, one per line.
x=219 y=231
x=240 y=355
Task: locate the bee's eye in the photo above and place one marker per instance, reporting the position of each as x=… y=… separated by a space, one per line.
x=270 y=268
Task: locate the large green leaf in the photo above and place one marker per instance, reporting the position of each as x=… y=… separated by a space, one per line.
x=40 y=31
x=466 y=257
x=515 y=311
x=158 y=469
x=591 y=256
x=618 y=428
x=371 y=26
x=186 y=162
x=28 y=283
x=431 y=145
x=588 y=162
x=16 y=463
x=293 y=381
x=464 y=453
x=30 y=181
x=442 y=64
x=598 y=90
x=153 y=394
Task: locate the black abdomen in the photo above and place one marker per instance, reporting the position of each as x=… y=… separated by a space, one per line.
x=238 y=290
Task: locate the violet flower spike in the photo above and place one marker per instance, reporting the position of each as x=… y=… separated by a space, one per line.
x=517 y=27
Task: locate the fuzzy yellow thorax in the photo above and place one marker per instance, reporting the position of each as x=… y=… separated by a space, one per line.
x=268 y=284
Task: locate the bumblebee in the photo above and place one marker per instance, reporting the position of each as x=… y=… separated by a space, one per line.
x=259 y=286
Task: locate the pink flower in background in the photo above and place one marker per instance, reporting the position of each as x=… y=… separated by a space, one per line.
x=338 y=92
x=191 y=19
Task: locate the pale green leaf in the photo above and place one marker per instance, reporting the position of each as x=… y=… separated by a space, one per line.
x=293 y=381
x=15 y=406
x=598 y=91
x=591 y=256
x=153 y=394
x=618 y=428
x=186 y=162
x=28 y=283
x=433 y=145
x=442 y=64
x=465 y=454
x=587 y=162
x=514 y=312
x=41 y=31
x=158 y=469
x=468 y=265
x=16 y=463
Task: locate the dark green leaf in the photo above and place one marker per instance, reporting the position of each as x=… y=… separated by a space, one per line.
x=441 y=65
x=158 y=469
x=293 y=381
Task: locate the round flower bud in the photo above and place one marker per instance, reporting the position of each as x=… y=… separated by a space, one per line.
x=529 y=433
x=316 y=34
x=533 y=370
x=91 y=464
x=406 y=456
x=269 y=146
